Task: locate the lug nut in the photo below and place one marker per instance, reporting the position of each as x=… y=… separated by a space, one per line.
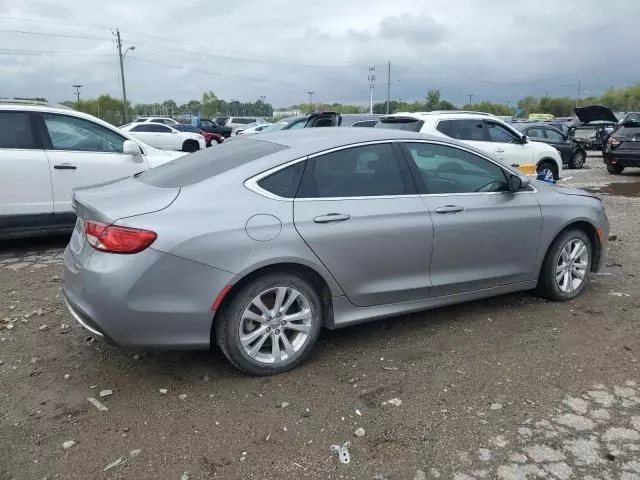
x=268 y=329
x=277 y=331
x=283 y=323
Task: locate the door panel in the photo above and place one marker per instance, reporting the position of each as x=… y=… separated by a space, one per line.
x=506 y=145
x=380 y=254
x=25 y=181
x=82 y=153
x=358 y=212
x=492 y=241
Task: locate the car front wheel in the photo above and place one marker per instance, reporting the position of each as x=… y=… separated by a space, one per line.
x=548 y=169
x=271 y=325
x=566 y=266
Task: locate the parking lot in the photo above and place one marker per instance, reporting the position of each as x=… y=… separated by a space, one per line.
x=512 y=387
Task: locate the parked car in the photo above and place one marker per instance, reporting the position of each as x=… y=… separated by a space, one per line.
x=163 y=120
x=252 y=129
x=317 y=119
x=257 y=244
x=572 y=152
x=210 y=126
x=622 y=149
x=483 y=131
x=47 y=151
x=240 y=123
x=562 y=123
x=359 y=120
x=595 y=124
x=208 y=137
x=166 y=137
x=630 y=117
x=221 y=120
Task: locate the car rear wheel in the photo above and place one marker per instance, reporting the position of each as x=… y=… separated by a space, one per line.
x=190 y=146
x=566 y=266
x=578 y=159
x=271 y=325
x=615 y=169
x=549 y=169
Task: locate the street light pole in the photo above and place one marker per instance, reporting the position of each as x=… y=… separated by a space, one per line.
x=372 y=84
x=77 y=87
x=310 y=100
x=124 y=88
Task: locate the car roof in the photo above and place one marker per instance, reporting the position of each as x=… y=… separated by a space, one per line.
x=448 y=114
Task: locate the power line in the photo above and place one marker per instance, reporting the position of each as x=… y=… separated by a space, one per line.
x=10 y=51
x=43 y=34
x=52 y=22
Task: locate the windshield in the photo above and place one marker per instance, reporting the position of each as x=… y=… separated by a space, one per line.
x=276 y=126
x=400 y=123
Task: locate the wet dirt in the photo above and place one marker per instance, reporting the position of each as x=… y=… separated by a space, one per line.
x=618 y=189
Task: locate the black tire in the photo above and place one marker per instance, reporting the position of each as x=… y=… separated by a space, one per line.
x=578 y=159
x=547 y=282
x=550 y=166
x=615 y=169
x=228 y=323
x=190 y=146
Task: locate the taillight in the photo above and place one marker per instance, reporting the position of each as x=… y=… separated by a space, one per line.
x=116 y=239
x=613 y=141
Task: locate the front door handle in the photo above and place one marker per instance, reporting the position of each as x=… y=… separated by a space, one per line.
x=500 y=150
x=65 y=166
x=449 y=209
x=332 y=217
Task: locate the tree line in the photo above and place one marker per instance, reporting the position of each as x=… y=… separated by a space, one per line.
x=111 y=109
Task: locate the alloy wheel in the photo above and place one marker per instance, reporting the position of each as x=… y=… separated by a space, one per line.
x=572 y=265
x=578 y=160
x=275 y=325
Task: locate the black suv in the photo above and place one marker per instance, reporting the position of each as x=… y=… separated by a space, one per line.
x=210 y=126
x=622 y=149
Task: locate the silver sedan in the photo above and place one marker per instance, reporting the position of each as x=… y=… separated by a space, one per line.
x=259 y=243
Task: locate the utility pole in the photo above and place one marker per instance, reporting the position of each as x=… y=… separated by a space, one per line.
x=372 y=84
x=121 y=57
x=264 y=106
x=310 y=100
x=578 y=94
x=388 y=85
x=77 y=87
x=508 y=103
x=470 y=95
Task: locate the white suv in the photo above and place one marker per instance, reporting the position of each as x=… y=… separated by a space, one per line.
x=47 y=151
x=483 y=131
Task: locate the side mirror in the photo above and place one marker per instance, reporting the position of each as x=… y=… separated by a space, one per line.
x=129 y=147
x=517 y=182
x=524 y=139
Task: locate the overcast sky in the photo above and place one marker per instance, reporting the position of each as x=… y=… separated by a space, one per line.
x=497 y=50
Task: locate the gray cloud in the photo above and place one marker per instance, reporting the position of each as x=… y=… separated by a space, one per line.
x=282 y=48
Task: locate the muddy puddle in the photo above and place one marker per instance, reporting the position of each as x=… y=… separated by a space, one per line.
x=618 y=189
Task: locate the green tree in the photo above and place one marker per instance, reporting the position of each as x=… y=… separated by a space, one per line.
x=210 y=104
x=433 y=100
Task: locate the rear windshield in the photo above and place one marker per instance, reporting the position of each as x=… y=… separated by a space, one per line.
x=243 y=121
x=629 y=131
x=409 y=124
x=205 y=164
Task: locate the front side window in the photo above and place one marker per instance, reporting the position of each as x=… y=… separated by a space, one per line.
x=469 y=130
x=534 y=132
x=500 y=134
x=366 y=171
x=159 y=128
x=141 y=128
x=553 y=135
x=445 y=169
x=207 y=123
x=15 y=131
x=80 y=135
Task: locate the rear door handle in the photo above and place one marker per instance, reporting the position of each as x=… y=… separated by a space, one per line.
x=65 y=166
x=449 y=209
x=332 y=217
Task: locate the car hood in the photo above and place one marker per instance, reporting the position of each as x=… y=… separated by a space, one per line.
x=593 y=113
x=571 y=191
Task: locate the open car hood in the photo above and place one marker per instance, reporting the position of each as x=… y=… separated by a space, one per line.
x=592 y=113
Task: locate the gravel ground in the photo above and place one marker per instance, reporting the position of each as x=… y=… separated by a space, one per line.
x=511 y=388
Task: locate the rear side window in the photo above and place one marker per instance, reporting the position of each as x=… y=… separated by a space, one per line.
x=141 y=128
x=284 y=183
x=472 y=130
x=365 y=123
x=369 y=170
x=15 y=130
x=205 y=164
x=243 y=121
x=400 y=123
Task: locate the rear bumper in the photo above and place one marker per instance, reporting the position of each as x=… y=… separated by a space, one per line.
x=150 y=299
x=621 y=159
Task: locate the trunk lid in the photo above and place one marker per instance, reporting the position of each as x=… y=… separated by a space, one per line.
x=592 y=113
x=111 y=201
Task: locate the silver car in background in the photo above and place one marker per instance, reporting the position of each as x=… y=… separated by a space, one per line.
x=259 y=243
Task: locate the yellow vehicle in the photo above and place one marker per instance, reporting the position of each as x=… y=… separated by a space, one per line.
x=541 y=117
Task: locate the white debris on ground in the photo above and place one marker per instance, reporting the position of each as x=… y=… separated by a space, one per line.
x=595 y=435
x=52 y=256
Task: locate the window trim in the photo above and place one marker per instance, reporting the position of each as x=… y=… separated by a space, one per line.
x=485 y=131
x=252 y=182
x=414 y=169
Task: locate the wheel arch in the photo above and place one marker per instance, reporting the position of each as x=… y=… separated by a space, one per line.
x=553 y=162
x=312 y=275
x=589 y=229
